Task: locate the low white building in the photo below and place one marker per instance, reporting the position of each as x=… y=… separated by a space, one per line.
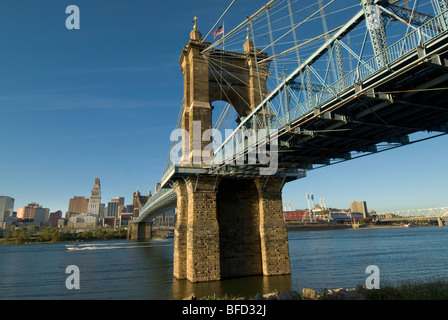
x=83 y=220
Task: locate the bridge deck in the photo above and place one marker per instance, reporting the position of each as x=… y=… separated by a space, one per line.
x=386 y=108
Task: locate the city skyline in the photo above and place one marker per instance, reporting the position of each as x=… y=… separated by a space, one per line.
x=78 y=197
x=102 y=101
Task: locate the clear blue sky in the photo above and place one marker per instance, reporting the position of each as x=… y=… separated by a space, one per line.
x=102 y=101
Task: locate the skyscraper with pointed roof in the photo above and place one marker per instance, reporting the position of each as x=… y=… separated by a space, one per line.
x=95 y=199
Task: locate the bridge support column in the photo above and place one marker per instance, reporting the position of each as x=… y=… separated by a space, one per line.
x=203 y=255
x=273 y=233
x=196 y=249
x=440 y=221
x=180 y=232
x=238 y=230
x=140 y=231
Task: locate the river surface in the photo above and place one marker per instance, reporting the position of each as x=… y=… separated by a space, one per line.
x=127 y=269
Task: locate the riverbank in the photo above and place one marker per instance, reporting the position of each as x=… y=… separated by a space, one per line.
x=317 y=227
x=327 y=227
x=430 y=290
x=52 y=235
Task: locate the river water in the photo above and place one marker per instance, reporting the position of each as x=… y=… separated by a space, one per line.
x=143 y=269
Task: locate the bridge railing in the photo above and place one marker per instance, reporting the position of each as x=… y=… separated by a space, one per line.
x=426 y=32
x=278 y=119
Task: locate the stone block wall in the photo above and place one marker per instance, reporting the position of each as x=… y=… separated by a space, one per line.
x=229 y=228
x=273 y=232
x=140 y=231
x=203 y=230
x=180 y=232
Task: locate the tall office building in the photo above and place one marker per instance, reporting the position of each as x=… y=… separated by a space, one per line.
x=95 y=199
x=115 y=207
x=34 y=211
x=77 y=205
x=54 y=218
x=112 y=209
x=41 y=216
x=119 y=200
x=26 y=213
x=6 y=208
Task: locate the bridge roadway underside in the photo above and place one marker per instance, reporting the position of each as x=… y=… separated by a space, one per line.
x=407 y=97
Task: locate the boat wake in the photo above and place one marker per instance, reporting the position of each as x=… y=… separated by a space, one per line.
x=104 y=246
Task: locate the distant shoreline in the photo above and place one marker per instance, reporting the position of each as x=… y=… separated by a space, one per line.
x=329 y=227
x=290 y=227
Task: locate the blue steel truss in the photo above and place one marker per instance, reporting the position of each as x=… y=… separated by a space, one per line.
x=441 y=212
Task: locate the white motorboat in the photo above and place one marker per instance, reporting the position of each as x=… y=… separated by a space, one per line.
x=409 y=225
x=72 y=247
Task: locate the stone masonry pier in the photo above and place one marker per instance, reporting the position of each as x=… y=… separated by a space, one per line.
x=234 y=229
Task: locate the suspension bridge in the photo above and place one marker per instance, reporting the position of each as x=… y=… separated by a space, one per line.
x=294 y=87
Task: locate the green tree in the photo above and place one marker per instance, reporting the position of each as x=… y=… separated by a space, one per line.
x=44 y=235
x=121 y=233
x=110 y=234
x=86 y=235
x=32 y=228
x=98 y=233
x=20 y=235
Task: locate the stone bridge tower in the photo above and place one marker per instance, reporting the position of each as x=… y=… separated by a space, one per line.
x=233 y=77
x=142 y=230
x=225 y=227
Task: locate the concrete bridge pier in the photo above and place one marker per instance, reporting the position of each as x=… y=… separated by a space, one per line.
x=140 y=231
x=228 y=228
x=440 y=221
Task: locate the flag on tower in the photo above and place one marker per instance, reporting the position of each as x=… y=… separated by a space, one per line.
x=218 y=31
